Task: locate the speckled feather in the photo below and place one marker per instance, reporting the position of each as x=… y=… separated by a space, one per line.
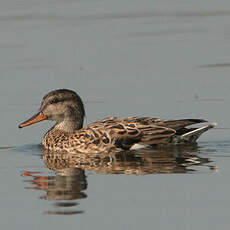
x=114 y=134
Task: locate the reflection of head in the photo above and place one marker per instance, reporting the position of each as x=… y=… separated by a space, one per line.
x=68 y=184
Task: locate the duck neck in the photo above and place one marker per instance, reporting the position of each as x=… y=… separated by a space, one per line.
x=69 y=125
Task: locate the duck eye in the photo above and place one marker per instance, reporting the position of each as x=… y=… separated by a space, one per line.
x=55 y=100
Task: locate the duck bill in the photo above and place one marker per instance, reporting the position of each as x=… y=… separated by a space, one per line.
x=34 y=119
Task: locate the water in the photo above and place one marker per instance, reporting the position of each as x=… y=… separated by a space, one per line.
x=167 y=59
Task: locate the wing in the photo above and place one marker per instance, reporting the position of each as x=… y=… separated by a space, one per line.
x=124 y=132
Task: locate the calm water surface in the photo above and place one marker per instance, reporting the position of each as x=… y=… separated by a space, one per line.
x=167 y=59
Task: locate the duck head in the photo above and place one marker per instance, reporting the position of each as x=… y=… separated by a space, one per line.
x=63 y=106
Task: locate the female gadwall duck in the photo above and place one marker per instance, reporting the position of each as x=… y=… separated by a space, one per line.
x=110 y=134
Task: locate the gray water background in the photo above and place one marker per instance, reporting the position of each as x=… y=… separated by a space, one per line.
x=167 y=59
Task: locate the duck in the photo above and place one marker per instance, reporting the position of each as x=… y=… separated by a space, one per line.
x=112 y=134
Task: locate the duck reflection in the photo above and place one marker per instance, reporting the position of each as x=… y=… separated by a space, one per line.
x=69 y=182
x=135 y=162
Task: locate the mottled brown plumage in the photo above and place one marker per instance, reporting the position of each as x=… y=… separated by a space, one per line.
x=110 y=134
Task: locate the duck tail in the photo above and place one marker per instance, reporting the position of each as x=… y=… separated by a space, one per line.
x=192 y=135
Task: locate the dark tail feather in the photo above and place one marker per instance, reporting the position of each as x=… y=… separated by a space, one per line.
x=179 y=124
x=191 y=136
